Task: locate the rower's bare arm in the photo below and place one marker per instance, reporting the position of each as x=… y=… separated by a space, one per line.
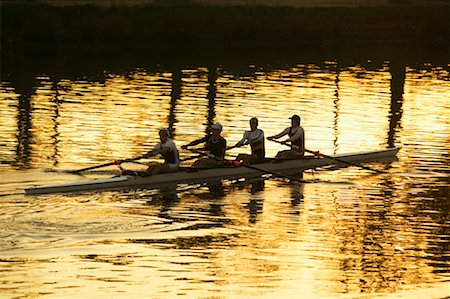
x=285 y=132
x=195 y=142
x=150 y=154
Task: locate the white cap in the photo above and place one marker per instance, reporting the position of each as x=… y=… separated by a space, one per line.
x=217 y=127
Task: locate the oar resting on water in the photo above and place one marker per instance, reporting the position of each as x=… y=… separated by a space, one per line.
x=320 y=155
x=239 y=164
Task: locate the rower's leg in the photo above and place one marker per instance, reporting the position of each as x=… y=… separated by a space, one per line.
x=240 y=157
x=166 y=168
x=252 y=159
x=282 y=155
x=204 y=163
x=246 y=159
x=289 y=155
x=153 y=168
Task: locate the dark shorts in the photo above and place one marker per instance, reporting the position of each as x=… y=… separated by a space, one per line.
x=260 y=155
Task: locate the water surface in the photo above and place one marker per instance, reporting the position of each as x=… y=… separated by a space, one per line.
x=352 y=235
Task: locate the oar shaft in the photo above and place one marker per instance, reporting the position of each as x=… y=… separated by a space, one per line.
x=202 y=154
x=92 y=167
x=130 y=160
x=191 y=158
x=344 y=161
x=273 y=173
x=254 y=168
x=316 y=153
x=106 y=164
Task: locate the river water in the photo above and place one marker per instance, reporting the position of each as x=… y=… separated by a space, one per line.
x=354 y=234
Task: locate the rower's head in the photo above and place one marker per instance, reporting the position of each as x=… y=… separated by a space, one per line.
x=295 y=120
x=253 y=123
x=216 y=129
x=163 y=135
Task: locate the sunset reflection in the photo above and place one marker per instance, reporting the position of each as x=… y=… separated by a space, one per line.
x=82 y=122
x=353 y=234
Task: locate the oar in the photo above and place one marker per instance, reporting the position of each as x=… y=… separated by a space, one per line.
x=201 y=153
x=117 y=162
x=318 y=154
x=191 y=158
x=239 y=164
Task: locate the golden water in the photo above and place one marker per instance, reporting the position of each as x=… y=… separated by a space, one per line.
x=364 y=236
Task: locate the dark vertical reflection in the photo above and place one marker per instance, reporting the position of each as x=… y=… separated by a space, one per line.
x=25 y=88
x=168 y=200
x=216 y=189
x=336 y=108
x=297 y=189
x=211 y=96
x=255 y=205
x=55 y=119
x=24 y=135
x=439 y=244
x=174 y=97
x=398 y=75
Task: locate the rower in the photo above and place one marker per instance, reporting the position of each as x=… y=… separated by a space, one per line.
x=215 y=145
x=168 y=150
x=254 y=137
x=296 y=138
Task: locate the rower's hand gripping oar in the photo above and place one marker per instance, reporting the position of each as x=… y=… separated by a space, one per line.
x=239 y=164
x=201 y=153
x=320 y=155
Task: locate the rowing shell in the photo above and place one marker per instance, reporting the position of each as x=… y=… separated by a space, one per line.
x=211 y=174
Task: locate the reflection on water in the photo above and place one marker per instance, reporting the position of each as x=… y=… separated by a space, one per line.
x=377 y=236
x=82 y=122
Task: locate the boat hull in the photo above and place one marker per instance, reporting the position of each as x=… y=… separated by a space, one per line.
x=204 y=175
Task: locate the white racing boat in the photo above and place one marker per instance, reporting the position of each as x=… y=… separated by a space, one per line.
x=191 y=176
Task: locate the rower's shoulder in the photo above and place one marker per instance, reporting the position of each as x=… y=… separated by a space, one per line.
x=249 y=132
x=169 y=142
x=299 y=128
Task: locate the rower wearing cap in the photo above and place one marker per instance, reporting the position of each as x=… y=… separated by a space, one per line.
x=215 y=145
x=254 y=137
x=168 y=150
x=296 y=138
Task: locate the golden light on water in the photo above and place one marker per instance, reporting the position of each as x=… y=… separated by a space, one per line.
x=121 y=117
x=370 y=236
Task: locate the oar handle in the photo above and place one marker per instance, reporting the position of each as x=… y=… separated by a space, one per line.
x=190 y=149
x=234 y=146
x=201 y=153
x=191 y=158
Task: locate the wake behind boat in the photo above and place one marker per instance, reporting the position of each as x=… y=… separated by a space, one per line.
x=192 y=176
